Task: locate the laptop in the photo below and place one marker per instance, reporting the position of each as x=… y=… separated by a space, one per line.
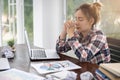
x=40 y=53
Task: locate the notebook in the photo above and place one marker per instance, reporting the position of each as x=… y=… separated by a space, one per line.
x=40 y=53
x=112 y=67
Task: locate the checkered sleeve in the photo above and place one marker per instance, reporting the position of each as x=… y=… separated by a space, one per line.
x=62 y=46
x=86 y=52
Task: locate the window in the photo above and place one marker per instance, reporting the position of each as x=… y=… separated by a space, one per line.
x=9 y=27
x=110 y=22
x=8 y=21
x=28 y=17
x=73 y=4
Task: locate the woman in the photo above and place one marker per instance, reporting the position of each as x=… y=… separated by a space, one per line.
x=88 y=43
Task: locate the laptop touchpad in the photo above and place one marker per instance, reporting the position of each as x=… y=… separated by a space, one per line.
x=51 y=53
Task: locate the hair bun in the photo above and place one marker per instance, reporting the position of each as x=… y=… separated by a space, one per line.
x=98 y=5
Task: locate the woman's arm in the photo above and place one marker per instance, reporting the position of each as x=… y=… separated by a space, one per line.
x=62 y=46
x=86 y=52
x=68 y=31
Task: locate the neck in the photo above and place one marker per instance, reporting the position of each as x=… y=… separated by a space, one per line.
x=85 y=33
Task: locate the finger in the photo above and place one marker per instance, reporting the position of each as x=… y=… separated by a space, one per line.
x=67 y=25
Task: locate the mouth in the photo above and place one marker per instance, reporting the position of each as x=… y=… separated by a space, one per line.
x=77 y=28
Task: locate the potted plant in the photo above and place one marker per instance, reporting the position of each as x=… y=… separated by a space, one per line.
x=11 y=44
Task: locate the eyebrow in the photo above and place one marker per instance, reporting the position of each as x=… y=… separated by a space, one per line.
x=79 y=17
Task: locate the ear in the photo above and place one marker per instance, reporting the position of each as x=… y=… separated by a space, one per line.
x=91 y=21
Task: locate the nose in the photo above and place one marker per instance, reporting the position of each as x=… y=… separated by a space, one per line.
x=76 y=22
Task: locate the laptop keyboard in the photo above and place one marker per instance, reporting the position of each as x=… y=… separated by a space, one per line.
x=38 y=54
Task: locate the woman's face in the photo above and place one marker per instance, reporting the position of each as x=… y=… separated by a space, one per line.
x=82 y=23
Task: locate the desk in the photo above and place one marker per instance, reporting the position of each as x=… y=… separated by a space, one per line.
x=21 y=61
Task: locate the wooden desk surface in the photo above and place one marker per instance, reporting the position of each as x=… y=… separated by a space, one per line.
x=21 y=61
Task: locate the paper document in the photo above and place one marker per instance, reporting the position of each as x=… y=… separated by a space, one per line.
x=54 y=66
x=4 y=64
x=15 y=74
x=63 y=75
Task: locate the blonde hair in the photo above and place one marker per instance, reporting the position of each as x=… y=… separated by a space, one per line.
x=91 y=11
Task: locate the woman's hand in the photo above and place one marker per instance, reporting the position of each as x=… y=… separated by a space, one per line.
x=70 y=28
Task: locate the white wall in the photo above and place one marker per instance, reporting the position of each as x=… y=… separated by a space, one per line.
x=20 y=21
x=48 y=19
x=38 y=22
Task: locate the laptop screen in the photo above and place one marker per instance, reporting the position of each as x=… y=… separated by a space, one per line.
x=27 y=40
x=50 y=54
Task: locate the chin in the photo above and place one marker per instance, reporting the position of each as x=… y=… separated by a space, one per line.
x=77 y=30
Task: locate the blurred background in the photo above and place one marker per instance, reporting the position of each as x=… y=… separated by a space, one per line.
x=44 y=19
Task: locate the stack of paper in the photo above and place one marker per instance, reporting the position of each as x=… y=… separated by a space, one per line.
x=112 y=67
x=4 y=64
x=111 y=70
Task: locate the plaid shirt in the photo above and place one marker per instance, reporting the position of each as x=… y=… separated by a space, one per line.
x=93 y=48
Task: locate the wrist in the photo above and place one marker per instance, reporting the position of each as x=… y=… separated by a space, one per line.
x=70 y=35
x=63 y=35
